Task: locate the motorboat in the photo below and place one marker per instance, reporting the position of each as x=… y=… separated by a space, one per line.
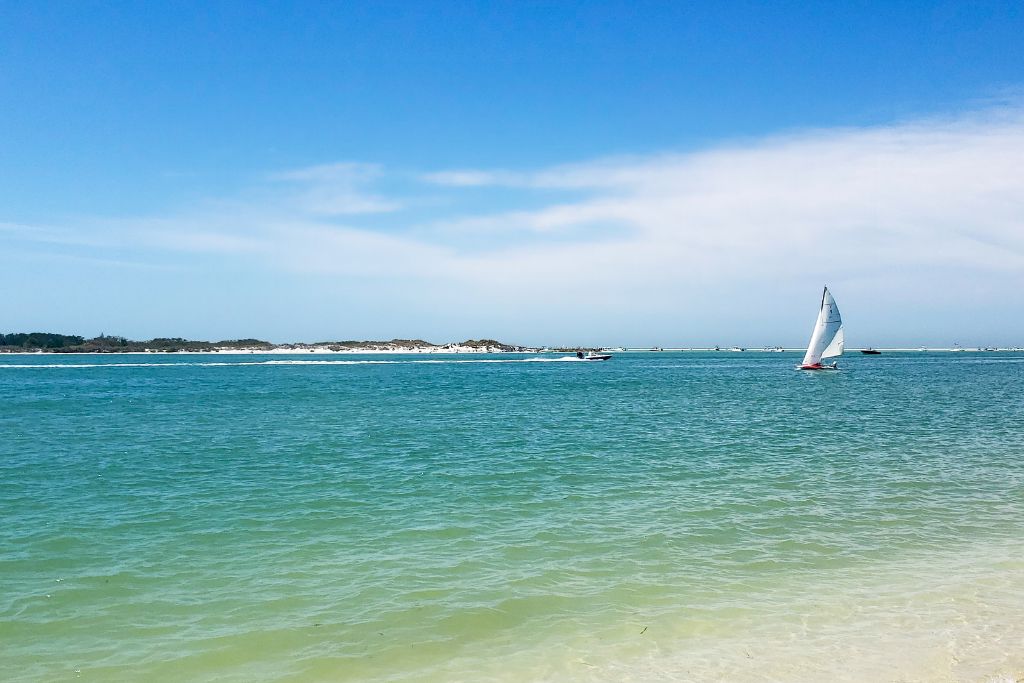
x=591 y=355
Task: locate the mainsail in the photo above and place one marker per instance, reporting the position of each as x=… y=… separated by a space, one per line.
x=827 y=337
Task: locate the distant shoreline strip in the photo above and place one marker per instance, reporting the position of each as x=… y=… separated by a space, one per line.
x=44 y=366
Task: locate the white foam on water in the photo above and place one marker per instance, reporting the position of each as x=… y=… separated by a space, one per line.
x=76 y=366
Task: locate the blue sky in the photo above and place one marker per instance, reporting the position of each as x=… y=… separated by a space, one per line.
x=614 y=173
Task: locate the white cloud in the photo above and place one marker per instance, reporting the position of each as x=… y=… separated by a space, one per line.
x=469 y=178
x=941 y=193
x=927 y=213
x=336 y=189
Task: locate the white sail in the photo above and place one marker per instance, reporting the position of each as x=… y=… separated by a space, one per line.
x=827 y=336
x=835 y=347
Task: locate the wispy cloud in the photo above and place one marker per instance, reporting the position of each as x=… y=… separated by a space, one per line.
x=336 y=189
x=934 y=192
x=470 y=178
x=919 y=207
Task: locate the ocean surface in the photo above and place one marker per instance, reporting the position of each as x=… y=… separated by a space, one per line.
x=658 y=517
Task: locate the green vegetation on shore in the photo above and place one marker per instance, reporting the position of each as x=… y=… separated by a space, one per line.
x=21 y=342
x=70 y=343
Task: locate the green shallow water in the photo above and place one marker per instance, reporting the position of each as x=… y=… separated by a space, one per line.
x=662 y=516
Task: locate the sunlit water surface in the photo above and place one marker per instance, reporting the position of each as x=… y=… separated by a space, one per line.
x=658 y=517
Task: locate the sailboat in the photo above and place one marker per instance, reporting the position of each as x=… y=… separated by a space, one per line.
x=827 y=336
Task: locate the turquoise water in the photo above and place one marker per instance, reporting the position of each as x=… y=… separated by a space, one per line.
x=662 y=516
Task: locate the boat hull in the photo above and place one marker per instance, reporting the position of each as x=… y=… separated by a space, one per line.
x=817 y=366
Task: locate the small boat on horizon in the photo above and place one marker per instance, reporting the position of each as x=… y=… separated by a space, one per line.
x=827 y=337
x=870 y=351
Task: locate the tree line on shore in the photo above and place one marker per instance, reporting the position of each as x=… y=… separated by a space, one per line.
x=71 y=343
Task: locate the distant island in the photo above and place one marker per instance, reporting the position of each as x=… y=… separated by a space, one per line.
x=48 y=342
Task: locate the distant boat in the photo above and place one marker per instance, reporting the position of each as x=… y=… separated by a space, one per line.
x=593 y=356
x=870 y=351
x=826 y=337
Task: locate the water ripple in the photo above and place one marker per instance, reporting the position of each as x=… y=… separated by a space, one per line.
x=657 y=517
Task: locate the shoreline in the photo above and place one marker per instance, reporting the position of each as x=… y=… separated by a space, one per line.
x=460 y=350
